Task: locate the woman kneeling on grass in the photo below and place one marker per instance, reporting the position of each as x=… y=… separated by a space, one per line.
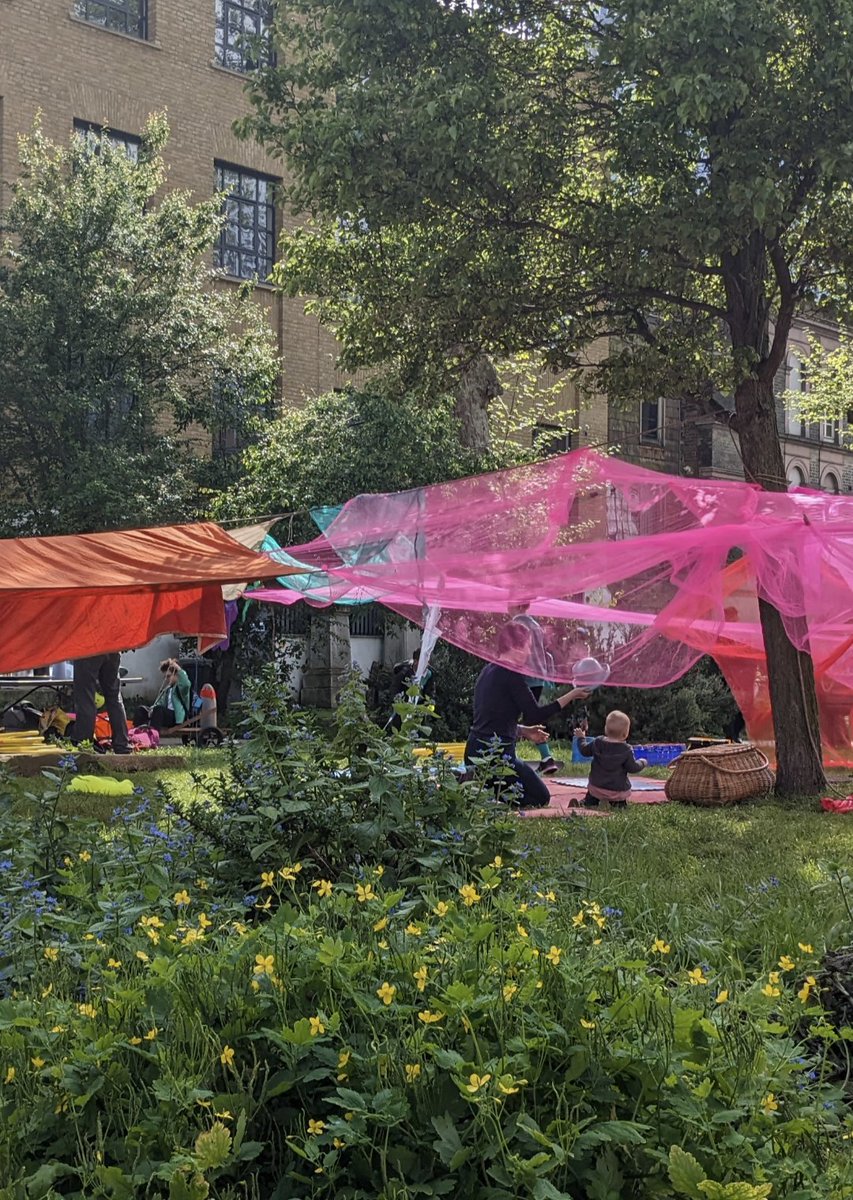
x=500 y=695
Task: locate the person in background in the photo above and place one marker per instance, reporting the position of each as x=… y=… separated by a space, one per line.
x=402 y=678
x=172 y=706
x=500 y=697
x=548 y=765
x=101 y=671
x=612 y=762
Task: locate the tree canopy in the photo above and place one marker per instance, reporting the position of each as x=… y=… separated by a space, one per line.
x=117 y=356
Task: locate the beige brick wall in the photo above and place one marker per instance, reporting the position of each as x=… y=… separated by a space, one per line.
x=67 y=69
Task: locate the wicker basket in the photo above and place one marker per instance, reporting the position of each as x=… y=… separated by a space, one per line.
x=719 y=775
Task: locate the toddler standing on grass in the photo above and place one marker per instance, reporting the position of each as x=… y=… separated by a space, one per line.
x=612 y=762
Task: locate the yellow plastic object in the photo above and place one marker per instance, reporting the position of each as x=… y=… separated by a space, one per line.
x=454 y=750
x=101 y=785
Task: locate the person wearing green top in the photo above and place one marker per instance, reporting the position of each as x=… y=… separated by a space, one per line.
x=172 y=706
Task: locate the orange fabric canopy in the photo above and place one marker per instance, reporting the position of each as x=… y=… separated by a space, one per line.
x=82 y=594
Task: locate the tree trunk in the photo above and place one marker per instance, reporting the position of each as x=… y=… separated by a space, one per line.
x=793 y=698
x=478 y=386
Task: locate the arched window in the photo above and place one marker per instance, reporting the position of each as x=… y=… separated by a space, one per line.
x=830 y=483
x=796 y=476
x=795 y=382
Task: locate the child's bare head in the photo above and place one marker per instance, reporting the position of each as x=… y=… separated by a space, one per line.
x=617 y=725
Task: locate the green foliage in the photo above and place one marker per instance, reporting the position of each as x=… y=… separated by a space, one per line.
x=287 y=792
x=830 y=383
x=699 y=702
x=451 y=691
x=522 y=176
x=116 y=355
x=347 y=443
x=493 y=1034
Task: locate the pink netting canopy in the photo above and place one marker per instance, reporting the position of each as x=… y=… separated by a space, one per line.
x=641 y=571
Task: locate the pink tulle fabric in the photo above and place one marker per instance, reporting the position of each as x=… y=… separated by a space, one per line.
x=644 y=572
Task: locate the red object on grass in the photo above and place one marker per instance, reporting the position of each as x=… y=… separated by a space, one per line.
x=831 y=804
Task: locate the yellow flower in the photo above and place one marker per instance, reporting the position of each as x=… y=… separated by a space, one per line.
x=58 y=1029
x=469 y=894
x=429 y=1018
x=770 y=1104
x=379 y=871
x=37 y=1062
x=413 y=1071
x=769 y=990
x=475 y=1082
x=364 y=892
x=774 y=977
x=509 y=1086
x=151 y=1034
x=10 y=1075
x=182 y=897
x=413 y=929
x=323 y=887
x=204 y=921
x=420 y=978
x=497 y=862
x=343 y=1059
x=441 y=909
x=722 y=996
x=51 y=953
x=317 y=1026
x=87 y=1010
x=383 y=945
x=85 y=856
x=380 y=924
x=786 y=963
x=509 y=991
x=587 y=1024
x=386 y=993
x=224 y=1116
x=88 y=937
x=806 y=990
x=579 y=919
x=659 y=946
x=45 y=992
x=315 y=1128
x=68 y=862
x=553 y=955
x=151 y=922
x=338 y=1144
x=264 y=964
x=551 y=897
x=142 y=956
x=806 y=948
x=201 y=884
x=227 y=1056
x=267 y=879
x=697 y=976
x=114 y=964
x=136 y=1041
x=600 y=921
x=521 y=931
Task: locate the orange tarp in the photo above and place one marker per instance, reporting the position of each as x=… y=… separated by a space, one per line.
x=69 y=597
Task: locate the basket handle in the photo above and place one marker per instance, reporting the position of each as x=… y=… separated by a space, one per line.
x=736 y=770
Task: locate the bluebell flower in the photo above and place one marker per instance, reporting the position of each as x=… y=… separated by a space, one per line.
x=6 y=864
x=249 y=900
x=612 y=912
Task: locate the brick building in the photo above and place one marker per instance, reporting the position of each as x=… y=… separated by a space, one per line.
x=676 y=437
x=87 y=65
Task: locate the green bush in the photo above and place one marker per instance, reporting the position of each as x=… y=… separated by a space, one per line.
x=341 y=795
x=483 y=1032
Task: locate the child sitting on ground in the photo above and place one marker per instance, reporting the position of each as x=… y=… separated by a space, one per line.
x=612 y=762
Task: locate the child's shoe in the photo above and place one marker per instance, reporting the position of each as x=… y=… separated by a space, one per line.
x=589 y=801
x=617 y=804
x=550 y=766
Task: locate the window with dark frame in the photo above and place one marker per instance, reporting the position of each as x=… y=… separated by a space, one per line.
x=95 y=134
x=246 y=246
x=552 y=439
x=243 y=41
x=123 y=16
x=236 y=430
x=651 y=422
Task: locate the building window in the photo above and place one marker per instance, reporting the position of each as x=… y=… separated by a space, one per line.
x=243 y=34
x=651 y=422
x=796 y=384
x=94 y=135
x=551 y=439
x=829 y=432
x=124 y=16
x=367 y=620
x=830 y=483
x=247 y=240
x=796 y=476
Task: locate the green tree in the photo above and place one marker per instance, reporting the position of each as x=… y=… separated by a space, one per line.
x=117 y=358
x=671 y=180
